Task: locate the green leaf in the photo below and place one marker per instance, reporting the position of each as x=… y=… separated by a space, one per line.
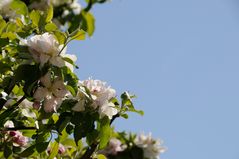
x=100 y=156
x=4 y=67
x=105 y=132
x=92 y=136
x=54 y=150
x=88 y=23
x=84 y=124
x=3 y=42
x=61 y=37
x=29 y=151
x=78 y=35
x=9 y=35
x=69 y=142
x=19 y=7
x=35 y=16
x=49 y=14
x=51 y=27
x=41 y=147
x=2 y=25
x=63 y=121
x=7 y=151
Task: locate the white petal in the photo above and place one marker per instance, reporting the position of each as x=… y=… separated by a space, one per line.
x=58 y=88
x=80 y=106
x=57 y=61
x=43 y=59
x=46 y=80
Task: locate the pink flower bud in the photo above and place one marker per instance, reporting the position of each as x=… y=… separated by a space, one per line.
x=61 y=149
x=20 y=140
x=12 y=133
x=37 y=105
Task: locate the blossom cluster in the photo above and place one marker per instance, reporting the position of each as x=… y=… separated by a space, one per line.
x=100 y=94
x=152 y=148
x=15 y=137
x=46 y=111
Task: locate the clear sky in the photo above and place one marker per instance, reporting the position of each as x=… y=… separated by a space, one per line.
x=181 y=58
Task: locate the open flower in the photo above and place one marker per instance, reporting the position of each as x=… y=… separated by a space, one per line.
x=101 y=94
x=51 y=93
x=45 y=48
x=114 y=146
x=152 y=148
x=5 y=9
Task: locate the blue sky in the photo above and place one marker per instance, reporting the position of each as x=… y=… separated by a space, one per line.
x=180 y=57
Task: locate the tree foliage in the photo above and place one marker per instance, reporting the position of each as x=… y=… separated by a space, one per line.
x=45 y=110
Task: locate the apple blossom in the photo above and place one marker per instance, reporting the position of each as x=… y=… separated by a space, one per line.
x=5 y=9
x=114 y=146
x=152 y=148
x=45 y=48
x=101 y=94
x=51 y=93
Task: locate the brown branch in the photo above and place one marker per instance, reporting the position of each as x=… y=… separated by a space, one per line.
x=19 y=128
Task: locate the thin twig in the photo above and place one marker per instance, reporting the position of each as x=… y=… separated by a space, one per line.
x=19 y=128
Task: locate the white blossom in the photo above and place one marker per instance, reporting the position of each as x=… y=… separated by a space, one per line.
x=101 y=94
x=114 y=146
x=51 y=93
x=45 y=48
x=152 y=148
x=76 y=7
x=40 y=5
x=5 y=9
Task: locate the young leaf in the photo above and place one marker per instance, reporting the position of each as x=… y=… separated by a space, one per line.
x=19 y=7
x=78 y=35
x=88 y=23
x=49 y=14
x=105 y=132
x=35 y=17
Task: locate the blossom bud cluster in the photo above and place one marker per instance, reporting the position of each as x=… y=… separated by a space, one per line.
x=15 y=137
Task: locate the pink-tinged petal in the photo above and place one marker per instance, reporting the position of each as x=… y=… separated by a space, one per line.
x=59 y=102
x=40 y=93
x=51 y=104
x=58 y=88
x=46 y=80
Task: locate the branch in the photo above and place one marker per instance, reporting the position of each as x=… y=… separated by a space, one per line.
x=19 y=128
x=90 y=151
x=114 y=117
